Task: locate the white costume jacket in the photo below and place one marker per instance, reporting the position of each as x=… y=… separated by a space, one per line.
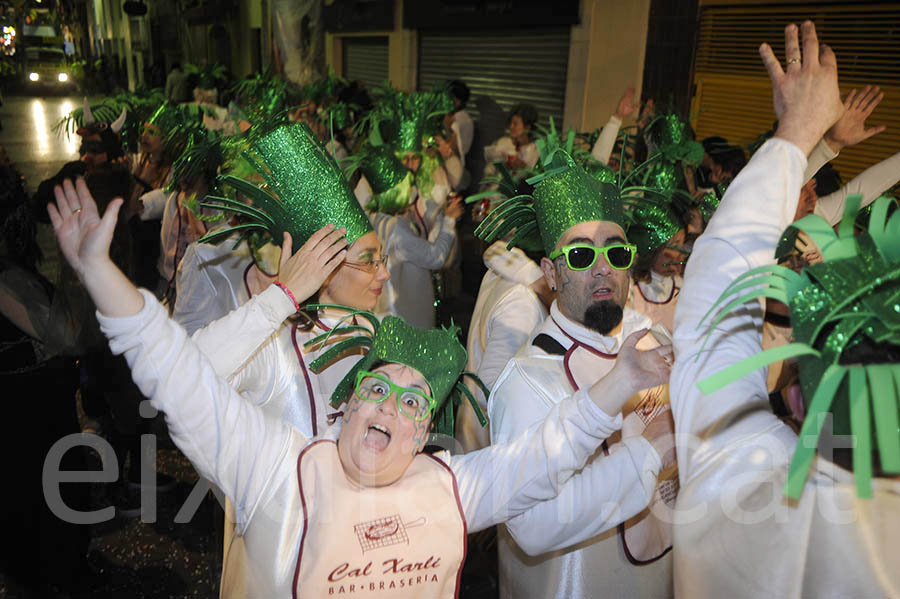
x=735 y=534
x=578 y=555
x=506 y=312
x=255 y=459
x=411 y=258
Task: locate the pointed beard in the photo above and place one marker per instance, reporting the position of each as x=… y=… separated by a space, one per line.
x=603 y=316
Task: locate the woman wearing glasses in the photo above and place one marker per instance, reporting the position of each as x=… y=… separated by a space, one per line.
x=267 y=361
x=363 y=511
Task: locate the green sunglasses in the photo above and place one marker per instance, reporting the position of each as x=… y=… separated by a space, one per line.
x=582 y=256
x=374 y=387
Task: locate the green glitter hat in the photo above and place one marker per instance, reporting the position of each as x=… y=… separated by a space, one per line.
x=654 y=225
x=262 y=95
x=850 y=298
x=304 y=190
x=403 y=119
x=436 y=353
x=391 y=181
x=564 y=196
x=710 y=201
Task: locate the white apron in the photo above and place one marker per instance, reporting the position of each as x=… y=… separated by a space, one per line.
x=407 y=539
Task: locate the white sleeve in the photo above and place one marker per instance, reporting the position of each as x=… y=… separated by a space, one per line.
x=741 y=235
x=819 y=157
x=509 y=328
x=530 y=154
x=231 y=341
x=605 y=493
x=154 y=204
x=505 y=479
x=465 y=133
x=230 y=442
x=604 y=145
x=197 y=302
x=870 y=183
x=409 y=247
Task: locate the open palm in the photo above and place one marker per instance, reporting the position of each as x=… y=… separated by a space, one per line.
x=83 y=236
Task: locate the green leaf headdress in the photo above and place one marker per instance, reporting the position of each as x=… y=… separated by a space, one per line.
x=436 y=353
x=564 y=196
x=851 y=298
x=262 y=95
x=303 y=190
x=404 y=118
x=209 y=76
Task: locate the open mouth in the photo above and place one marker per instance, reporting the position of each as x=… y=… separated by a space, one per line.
x=602 y=293
x=377 y=437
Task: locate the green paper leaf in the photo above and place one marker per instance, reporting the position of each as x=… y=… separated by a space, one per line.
x=329 y=355
x=860 y=424
x=808 y=440
x=755 y=362
x=885 y=407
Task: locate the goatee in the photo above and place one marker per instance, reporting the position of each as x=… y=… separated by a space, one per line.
x=603 y=316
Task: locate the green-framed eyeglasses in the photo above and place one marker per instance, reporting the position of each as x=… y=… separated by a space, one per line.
x=582 y=256
x=374 y=387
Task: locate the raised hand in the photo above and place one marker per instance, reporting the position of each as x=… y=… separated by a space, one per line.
x=84 y=239
x=805 y=94
x=851 y=128
x=646 y=368
x=83 y=236
x=626 y=105
x=634 y=371
x=306 y=271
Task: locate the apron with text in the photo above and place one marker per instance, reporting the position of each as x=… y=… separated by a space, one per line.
x=407 y=539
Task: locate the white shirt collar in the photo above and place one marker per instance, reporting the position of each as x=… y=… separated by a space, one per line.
x=631 y=321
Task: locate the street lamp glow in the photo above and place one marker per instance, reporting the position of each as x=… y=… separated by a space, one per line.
x=33 y=76
x=63 y=77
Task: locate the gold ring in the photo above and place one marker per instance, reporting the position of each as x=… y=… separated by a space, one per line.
x=793 y=60
x=76 y=211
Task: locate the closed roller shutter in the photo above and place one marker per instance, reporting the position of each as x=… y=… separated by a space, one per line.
x=501 y=68
x=366 y=60
x=733 y=96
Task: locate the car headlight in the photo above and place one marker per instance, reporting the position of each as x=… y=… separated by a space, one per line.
x=62 y=77
x=33 y=76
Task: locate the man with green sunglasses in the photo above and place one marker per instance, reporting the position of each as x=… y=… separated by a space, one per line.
x=587 y=263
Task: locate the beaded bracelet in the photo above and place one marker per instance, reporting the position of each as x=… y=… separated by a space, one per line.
x=284 y=288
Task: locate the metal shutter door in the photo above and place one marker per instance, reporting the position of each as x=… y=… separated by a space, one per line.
x=366 y=60
x=507 y=67
x=733 y=96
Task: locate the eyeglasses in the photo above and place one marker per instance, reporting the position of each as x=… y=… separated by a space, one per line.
x=413 y=404
x=371 y=266
x=582 y=256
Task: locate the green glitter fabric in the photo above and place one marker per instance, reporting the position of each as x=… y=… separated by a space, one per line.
x=436 y=353
x=571 y=197
x=381 y=167
x=851 y=297
x=405 y=118
x=654 y=225
x=304 y=189
x=710 y=202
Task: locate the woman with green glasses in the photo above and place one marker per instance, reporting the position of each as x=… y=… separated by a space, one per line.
x=364 y=511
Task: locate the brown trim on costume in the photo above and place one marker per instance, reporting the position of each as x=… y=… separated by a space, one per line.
x=309 y=390
x=305 y=514
x=462 y=516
